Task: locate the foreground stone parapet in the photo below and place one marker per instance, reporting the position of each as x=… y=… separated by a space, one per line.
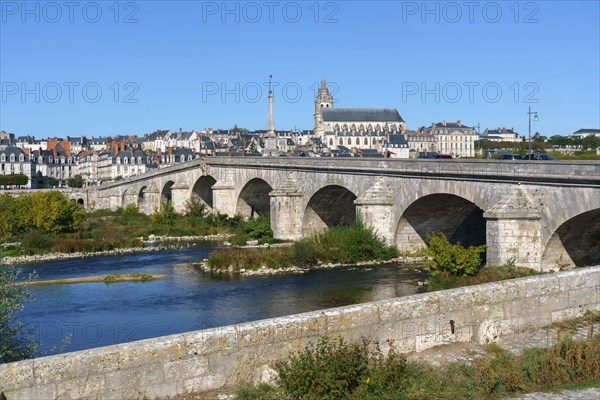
x=221 y=358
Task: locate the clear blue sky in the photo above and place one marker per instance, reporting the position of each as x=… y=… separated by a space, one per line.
x=175 y=59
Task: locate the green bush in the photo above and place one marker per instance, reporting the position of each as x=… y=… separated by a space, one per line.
x=306 y=252
x=239 y=239
x=17 y=342
x=336 y=370
x=354 y=243
x=165 y=216
x=131 y=209
x=195 y=207
x=258 y=228
x=36 y=241
x=454 y=259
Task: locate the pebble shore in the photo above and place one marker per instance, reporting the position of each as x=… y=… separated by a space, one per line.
x=264 y=271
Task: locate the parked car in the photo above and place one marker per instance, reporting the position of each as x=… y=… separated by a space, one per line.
x=435 y=156
x=539 y=157
x=510 y=157
x=426 y=155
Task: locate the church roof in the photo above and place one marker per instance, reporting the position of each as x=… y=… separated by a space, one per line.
x=362 y=115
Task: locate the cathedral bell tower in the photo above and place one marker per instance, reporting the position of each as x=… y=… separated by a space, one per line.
x=323 y=100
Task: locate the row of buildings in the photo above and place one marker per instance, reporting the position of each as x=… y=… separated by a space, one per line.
x=337 y=132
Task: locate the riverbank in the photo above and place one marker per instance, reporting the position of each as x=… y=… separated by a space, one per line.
x=39 y=258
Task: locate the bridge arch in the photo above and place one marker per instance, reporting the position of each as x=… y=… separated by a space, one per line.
x=166 y=195
x=254 y=199
x=202 y=190
x=575 y=243
x=331 y=205
x=456 y=217
x=140 y=198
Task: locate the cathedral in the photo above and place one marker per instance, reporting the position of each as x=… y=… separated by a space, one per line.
x=359 y=128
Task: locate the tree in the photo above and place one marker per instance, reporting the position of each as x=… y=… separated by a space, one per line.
x=16 y=180
x=76 y=181
x=252 y=147
x=49 y=211
x=52 y=182
x=17 y=342
x=590 y=142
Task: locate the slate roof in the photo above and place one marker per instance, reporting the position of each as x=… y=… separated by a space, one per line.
x=362 y=114
x=597 y=131
x=449 y=125
x=182 y=151
x=12 y=150
x=127 y=154
x=397 y=141
x=494 y=132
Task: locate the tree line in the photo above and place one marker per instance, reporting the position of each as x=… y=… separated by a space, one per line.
x=13 y=180
x=49 y=211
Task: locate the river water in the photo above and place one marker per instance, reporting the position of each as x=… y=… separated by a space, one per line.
x=98 y=314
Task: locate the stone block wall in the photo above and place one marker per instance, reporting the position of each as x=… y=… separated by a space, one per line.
x=230 y=356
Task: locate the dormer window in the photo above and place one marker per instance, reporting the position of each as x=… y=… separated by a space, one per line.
x=12 y=158
x=3 y=157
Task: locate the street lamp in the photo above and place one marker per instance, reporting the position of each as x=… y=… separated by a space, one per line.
x=535 y=119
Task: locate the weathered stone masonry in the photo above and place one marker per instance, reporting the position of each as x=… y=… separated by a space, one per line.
x=226 y=357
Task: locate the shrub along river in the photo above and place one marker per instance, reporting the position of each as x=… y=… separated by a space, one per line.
x=99 y=314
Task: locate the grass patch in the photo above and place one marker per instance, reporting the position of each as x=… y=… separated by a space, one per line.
x=577 y=155
x=571 y=325
x=234 y=259
x=130 y=277
x=112 y=278
x=337 y=370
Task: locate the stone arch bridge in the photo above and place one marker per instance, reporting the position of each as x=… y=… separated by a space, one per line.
x=541 y=214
